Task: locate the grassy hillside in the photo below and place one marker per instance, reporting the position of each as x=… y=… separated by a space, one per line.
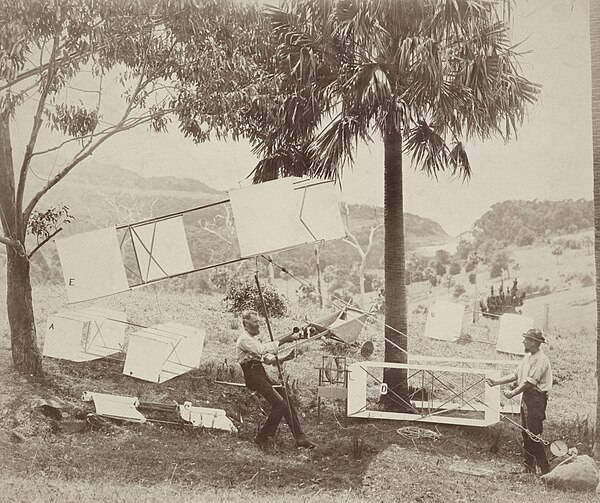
x=47 y=460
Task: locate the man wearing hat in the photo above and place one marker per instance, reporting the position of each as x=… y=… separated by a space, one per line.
x=534 y=380
x=251 y=355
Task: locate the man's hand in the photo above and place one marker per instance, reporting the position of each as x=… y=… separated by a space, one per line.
x=508 y=393
x=491 y=382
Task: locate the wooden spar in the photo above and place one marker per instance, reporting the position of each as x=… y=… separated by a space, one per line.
x=302 y=185
x=279 y=369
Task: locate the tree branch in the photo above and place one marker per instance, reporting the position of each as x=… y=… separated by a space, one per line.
x=39 y=245
x=11 y=242
x=84 y=154
x=37 y=124
x=69 y=57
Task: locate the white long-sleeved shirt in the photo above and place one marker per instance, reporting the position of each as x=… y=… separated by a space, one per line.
x=249 y=348
x=535 y=369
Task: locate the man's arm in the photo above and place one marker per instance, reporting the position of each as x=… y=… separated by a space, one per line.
x=503 y=380
x=519 y=389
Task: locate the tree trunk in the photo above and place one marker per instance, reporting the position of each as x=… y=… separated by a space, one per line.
x=595 y=49
x=318 y=266
x=25 y=353
x=396 y=347
x=361 y=280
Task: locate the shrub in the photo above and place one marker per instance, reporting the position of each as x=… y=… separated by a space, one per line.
x=586 y=280
x=220 y=278
x=459 y=289
x=440 y=269
x=454 y=268
x=379 y=302
x=243 y=294
x=472 y=278
x=307 y=294
x=525 y=237
x=498 y=263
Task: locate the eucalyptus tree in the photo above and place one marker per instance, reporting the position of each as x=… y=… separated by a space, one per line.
x=595 y=50
x=424 y=76
x=171 y=58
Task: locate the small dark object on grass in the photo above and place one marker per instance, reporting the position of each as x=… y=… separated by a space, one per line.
x=358 y=445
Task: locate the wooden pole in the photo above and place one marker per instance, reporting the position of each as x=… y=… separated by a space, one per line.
x=279 y=369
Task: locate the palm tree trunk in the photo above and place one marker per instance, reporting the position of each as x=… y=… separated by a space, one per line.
x=25 y=352
x=595 y=49
x=396 y=347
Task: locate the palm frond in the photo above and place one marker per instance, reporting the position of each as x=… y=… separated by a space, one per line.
x=459 y=162
x=428 y=149
x=333 y=147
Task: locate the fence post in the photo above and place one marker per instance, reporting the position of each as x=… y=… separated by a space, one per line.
x=475 y=311
x=546 y=317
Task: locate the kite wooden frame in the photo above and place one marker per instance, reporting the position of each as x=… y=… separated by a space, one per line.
x=357 y=396
x=507 y=405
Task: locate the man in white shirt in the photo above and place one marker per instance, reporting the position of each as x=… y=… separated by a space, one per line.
x=534 y=380
x=251 y=354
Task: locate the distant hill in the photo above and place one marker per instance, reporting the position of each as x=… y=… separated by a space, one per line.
x=111 y=175
x=112 y=195
x=523 y=222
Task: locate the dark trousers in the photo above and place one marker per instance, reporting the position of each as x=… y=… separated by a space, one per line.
x=533 y=413
x=257 y=380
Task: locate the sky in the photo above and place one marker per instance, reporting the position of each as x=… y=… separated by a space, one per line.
x=550 y=160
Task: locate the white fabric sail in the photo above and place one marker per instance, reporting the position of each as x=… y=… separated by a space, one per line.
x=92 y=264
x=161 y=248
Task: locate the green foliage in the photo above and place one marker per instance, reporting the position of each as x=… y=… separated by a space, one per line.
x=465 y=247
x=499 y=263
x=440 y=269
x=73 y=120
x=568 y=243
x=220 y=278
x=522 y=222
x=243 y=294
x=379 y=302
x=307 y=295
x=459 y=289
x=43 y=224
x=454 y=268
x=442 y=256
x=524 y=237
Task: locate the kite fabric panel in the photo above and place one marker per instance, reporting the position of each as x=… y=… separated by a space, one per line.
x=145 y=357
x=272 y=216
x=161 y=248
x=266 y=217
x=85 y=335
x=320 y=211
x=161 y=352
x=444 y=321
x=92 y=265
x=115 y=406
x=63 y=337
x=510 y=333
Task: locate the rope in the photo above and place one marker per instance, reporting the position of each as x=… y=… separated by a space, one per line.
x=345 y=305
x=414 y=432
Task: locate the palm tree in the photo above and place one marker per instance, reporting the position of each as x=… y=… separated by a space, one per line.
x=595 y=46
x=422 y=75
